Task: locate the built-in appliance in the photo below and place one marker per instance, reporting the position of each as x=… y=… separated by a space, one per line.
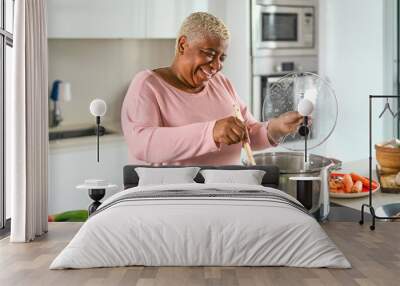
x=284 y=27
x=267 y=70
x=284 y=39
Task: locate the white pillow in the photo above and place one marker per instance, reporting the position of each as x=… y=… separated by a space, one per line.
x=164 y=176
x=249 y=177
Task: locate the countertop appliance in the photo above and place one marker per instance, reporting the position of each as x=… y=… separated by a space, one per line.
x=284 y=27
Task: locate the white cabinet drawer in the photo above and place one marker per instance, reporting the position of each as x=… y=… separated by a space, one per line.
x=164 y=17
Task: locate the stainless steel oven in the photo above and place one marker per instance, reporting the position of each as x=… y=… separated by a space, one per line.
x=267 y=70
x=270 y=105
x=283 y=24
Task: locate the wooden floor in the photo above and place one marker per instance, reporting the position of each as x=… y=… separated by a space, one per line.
x=375 y=257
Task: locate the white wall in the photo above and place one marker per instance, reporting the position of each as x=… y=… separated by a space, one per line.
x=236 y=15
x=390 y=57
x=352 y=58
x=102 y=69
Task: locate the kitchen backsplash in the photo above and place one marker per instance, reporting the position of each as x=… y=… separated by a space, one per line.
x=101 y=69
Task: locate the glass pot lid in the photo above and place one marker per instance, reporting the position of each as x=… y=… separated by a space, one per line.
x=285 y=94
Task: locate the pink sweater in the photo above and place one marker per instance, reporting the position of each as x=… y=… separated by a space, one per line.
x=163 y=125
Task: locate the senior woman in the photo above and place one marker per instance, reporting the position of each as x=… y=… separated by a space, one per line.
x=183 y=114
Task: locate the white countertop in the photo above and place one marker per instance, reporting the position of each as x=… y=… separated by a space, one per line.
x=378 y=199
x=113 y=126
x=86 y=141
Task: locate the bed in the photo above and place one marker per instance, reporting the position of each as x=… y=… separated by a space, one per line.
x=197 y=224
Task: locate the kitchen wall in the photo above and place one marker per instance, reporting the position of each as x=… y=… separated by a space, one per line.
x=353 y=58
x=236 y=15
x=102 y=69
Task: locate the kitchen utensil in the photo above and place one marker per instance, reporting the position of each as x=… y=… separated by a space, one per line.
x=292 y=164
x=289 y=93
x=246 y=145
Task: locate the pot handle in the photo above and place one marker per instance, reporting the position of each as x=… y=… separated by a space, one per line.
x=335 y=165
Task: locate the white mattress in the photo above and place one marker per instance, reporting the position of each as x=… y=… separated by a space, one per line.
x=189 y=231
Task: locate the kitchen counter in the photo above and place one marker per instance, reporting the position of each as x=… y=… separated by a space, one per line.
x=378 y=199
x=86 y=141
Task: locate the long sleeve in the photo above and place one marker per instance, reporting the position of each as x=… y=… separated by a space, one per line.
x=259 y=136
x=147 y=137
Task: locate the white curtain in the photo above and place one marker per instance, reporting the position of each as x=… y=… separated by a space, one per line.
x=27 y=123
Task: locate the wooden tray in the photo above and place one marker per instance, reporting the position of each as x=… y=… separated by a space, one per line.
x=386 y=180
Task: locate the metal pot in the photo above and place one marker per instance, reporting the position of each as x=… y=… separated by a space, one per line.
x=292 y=164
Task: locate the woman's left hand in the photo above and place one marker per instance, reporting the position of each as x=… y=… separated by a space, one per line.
x=286 y=123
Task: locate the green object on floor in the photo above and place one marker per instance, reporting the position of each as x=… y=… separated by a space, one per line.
x=72 y=216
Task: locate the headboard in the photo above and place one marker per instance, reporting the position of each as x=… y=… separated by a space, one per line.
x=270 y=179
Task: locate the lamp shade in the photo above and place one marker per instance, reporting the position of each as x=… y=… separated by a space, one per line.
x=305 y=107
x=98 y=107
x=65 y=91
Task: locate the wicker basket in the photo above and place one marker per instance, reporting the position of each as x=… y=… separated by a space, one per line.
x=388 y=158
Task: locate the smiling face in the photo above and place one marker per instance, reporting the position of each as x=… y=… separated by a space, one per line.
x=199 y=60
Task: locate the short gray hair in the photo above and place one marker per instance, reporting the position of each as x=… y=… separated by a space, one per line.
x=201 y=24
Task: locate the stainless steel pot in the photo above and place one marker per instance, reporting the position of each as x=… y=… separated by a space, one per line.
x=292 y=164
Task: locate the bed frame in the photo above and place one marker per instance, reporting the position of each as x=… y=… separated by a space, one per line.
x=270 y=179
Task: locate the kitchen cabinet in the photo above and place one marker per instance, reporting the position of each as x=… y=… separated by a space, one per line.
x=71 y=161
x=96 y=18
x=164 y=17
x=110 y=19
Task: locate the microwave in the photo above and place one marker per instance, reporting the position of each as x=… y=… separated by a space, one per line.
x=283 y=26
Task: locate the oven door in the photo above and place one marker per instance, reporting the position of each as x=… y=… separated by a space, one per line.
x=260 y=87
x=274 y=106
x=283 y=27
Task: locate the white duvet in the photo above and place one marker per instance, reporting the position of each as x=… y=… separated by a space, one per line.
x=227 y=231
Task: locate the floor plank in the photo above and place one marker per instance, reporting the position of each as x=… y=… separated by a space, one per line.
x=375 y=257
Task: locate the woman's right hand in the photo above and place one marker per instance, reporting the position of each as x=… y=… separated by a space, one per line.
x=229 y=130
